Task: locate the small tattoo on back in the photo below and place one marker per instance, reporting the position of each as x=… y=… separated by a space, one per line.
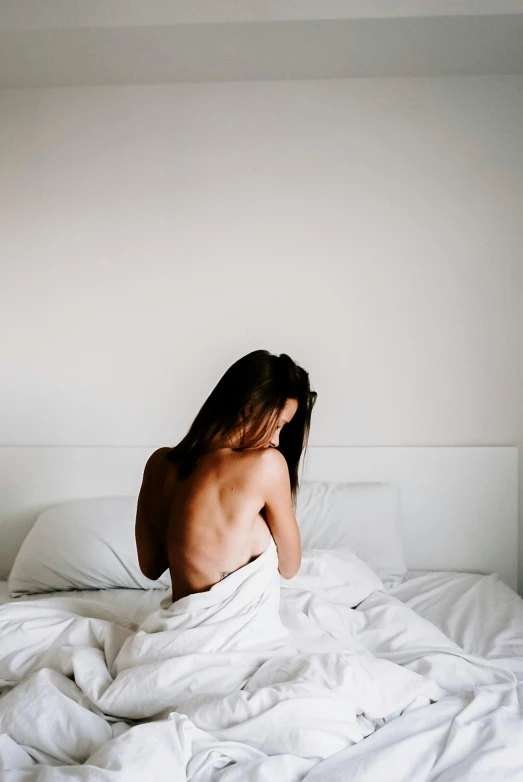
x=224 y=574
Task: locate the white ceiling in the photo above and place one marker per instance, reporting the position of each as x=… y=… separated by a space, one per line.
x=74 y=42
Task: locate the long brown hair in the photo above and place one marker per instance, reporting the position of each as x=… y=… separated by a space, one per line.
x=249 y=398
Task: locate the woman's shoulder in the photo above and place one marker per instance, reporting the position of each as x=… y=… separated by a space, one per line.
x=265 y=465
x=272 y=460
x=157 y=457
x=156 y=464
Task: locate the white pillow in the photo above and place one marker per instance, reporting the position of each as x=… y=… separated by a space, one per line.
x=88 y=544
x=363 y=517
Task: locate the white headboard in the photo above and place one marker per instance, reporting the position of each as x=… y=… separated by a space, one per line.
x=458 y=504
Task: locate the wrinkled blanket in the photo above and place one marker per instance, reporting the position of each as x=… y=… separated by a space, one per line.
x=249 y=681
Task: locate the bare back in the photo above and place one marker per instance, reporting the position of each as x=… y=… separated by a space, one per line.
x=209 y=524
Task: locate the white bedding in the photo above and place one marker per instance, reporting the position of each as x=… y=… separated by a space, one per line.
x=233 y=689
x=480 y=613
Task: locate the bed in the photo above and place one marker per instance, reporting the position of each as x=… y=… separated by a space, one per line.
x=480 y=613
x=411 y=676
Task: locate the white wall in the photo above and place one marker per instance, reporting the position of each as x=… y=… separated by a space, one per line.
x=370 y=228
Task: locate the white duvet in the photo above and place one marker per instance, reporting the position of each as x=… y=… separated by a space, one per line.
x=250 y=682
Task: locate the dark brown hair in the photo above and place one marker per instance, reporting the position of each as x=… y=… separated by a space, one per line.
x=250 y=398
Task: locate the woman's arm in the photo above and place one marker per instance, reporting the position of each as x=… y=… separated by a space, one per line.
x=279 y=514
x=150 y=545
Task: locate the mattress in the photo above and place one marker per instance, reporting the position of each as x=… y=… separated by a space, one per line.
x=480 y=613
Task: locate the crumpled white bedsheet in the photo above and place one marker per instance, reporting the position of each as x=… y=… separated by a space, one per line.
x=247 y=683
x=479 y=612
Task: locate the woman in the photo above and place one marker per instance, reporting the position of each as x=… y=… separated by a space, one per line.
x=209 y=506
